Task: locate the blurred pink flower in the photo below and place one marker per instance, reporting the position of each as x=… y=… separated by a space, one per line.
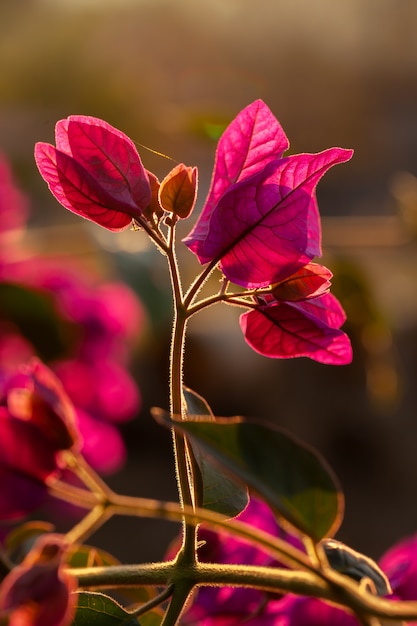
x=104 y=389
x=14 y=207
x=104 y=448
x=35 y=394
x=301 y=611
x=39 y=592
x=102 y=321
x=37 y=421
x=400 y=565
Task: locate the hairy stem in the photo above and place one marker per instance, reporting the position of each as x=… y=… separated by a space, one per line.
x=116 y=504
x=198 y=283
x=145 y=507
x=89 y=524
x=85 y=472
x=183 y=468
x=336 y=588
x=182 y=591
x=270 y=579
x=151 y=604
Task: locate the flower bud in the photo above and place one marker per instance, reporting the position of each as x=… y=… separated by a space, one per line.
x=178 y=190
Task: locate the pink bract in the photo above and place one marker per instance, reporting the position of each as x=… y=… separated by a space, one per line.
x=35 y=394
x=27 y=459
x=260 y=220
x=37 y=421
x=293 y=329
x=95 y=171
x=251 y=141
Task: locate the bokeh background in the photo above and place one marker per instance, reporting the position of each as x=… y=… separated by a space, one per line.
x=171 y=75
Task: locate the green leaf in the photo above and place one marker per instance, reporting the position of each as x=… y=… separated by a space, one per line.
x=97 y=609
x=89 y=556
x=20 y=540
x=152 y=618
x=220 y=494
x=292 y=478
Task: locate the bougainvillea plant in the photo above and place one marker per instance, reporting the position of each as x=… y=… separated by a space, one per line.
x=259 y=509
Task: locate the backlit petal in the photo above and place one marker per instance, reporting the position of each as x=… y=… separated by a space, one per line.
x=108 y=155
x=287 y=330
x=267 y=227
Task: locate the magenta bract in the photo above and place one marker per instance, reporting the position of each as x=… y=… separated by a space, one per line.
x=95 y=171
x=310 y=281
x=26 y=460
x=35 y=395
x=293 y=329
x=251 y=140
x=261 y=221
x=37 y=421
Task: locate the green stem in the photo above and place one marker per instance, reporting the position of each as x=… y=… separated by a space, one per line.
x=74 y=495
x=85 y=472
x=116 y=576
x=146 y=507
x=325 y=584
x=336 y=588
x=151 y=604
x=89 y=524
x=366 y=620
x=183 y=467
x=271 y=579
x=198 y=283
x=315 y=552
x=155 y=235
x=182 y=591
x=222 y=296
x=237 y=299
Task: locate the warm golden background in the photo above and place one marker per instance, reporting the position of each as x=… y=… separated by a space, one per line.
x=171 y=74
